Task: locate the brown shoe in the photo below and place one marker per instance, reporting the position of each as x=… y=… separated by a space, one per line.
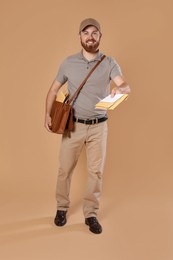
x=60 y=219
x=94 y=225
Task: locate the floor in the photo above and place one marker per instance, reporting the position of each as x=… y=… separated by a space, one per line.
x=133 y=229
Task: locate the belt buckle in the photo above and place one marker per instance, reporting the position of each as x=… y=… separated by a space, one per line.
x=90 y=121
x=85 y=121
x=93 y=121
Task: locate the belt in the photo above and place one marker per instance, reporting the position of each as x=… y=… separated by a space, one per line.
x=90 y=121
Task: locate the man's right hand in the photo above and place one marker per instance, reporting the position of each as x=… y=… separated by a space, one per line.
x=49 y=101
x=47 y=123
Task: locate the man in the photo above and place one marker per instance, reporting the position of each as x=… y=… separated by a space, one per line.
x=90 y=123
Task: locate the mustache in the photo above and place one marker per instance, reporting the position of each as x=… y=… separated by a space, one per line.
x=90 y=41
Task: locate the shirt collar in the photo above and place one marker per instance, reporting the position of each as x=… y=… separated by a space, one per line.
x=97 y=58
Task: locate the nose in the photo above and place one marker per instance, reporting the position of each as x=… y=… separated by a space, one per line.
x=91 y=36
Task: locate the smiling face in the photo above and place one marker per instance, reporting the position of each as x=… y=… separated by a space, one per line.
x=90 y=39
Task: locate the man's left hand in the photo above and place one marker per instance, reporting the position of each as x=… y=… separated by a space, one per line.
x=122 y=86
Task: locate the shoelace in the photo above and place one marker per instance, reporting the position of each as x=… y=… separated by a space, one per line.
x=93 y=220
x=61 y=214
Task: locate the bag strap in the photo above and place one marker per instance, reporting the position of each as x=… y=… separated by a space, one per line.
x=72 y=99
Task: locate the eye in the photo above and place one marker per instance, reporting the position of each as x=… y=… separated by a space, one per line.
x=95 y=34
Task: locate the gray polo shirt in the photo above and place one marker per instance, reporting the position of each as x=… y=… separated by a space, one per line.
x=74 y=69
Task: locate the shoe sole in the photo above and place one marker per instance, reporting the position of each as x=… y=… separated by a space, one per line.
x=61 y=224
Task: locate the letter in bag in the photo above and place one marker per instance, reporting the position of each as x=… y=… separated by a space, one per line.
x=62 y=117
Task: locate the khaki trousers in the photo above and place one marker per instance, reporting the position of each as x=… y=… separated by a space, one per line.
x=94 y=137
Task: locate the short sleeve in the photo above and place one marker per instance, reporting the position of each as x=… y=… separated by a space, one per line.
x=61 y=75
x=115 y=69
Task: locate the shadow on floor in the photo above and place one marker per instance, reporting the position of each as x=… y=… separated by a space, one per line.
x=36 y=227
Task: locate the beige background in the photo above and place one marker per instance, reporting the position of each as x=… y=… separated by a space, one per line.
x=137 y=207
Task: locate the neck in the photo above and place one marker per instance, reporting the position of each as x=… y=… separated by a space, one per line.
x=89 y=55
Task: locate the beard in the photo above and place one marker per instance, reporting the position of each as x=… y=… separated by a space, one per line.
x=92 y=48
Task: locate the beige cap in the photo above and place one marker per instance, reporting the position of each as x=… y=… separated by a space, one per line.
x=87 y=22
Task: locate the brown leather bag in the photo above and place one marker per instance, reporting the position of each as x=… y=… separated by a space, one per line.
x=61 y=117
x=62 y=112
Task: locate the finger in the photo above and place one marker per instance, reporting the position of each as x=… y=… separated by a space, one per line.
x=113 y=93
x=47 y=128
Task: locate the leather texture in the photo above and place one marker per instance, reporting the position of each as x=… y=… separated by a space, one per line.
x=94 y=225
x=60 y=218
x=90 y=121
x=62 y=117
